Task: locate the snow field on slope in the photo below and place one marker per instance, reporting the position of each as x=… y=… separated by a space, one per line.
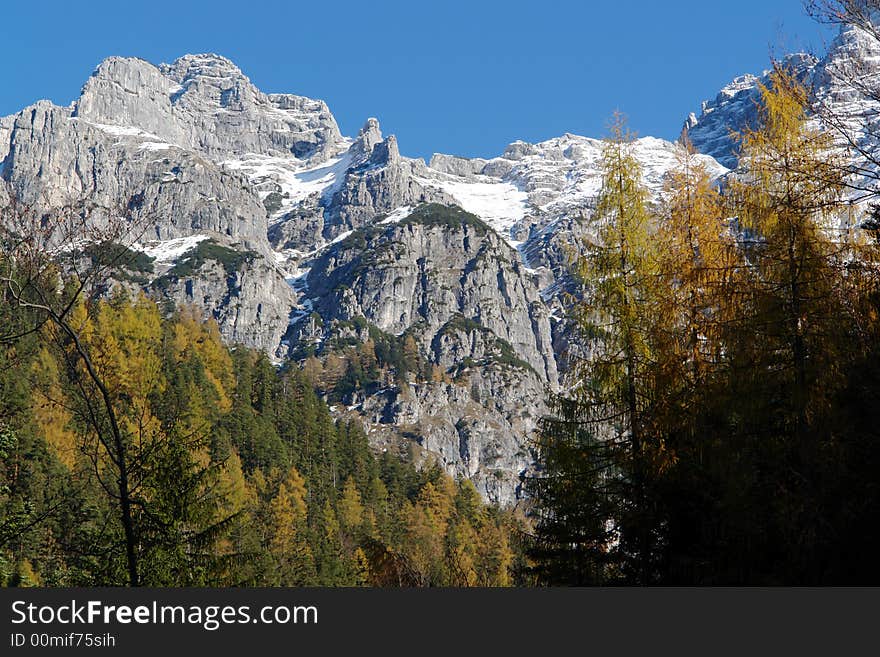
x=499 y=204
x=297 y=182
x=149 y=141
x=559 y=173
x=168 y=251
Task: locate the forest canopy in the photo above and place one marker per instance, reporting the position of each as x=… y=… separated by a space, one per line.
x=237 y=473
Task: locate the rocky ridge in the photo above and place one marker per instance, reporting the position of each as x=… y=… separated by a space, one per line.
x=844 y=83
x=427 y=298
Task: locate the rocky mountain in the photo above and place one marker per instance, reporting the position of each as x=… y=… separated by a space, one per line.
x=151 y=140
x=384 y=243
x=735 y=108
x=845 y=90
x=468 y=307
x=425 y=299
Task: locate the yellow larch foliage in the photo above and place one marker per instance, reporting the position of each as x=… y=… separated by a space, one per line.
x=788 y=196
x=287 y=516
x=463 y=546
x=53 y=419
x=203 y=338
x=363 y=575
x=232 y=486
x=331 y=522
x=125 y=347
x=351 y=511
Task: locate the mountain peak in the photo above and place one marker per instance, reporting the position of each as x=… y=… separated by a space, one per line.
x=369 y=136
x=202 y=65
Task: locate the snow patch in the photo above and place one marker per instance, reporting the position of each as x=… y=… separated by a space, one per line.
x=398 y=215
x=299 y=314
x=155 y=146
x=296 y=182
x=168 y=251
x=500 y=204
x=120 y=130
x=124 y=131
x=336 y=239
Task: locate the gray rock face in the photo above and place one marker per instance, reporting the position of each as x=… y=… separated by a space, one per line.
x=249 y=301
x=368 y=138
x=457 y=166
x=132 y=92
x=379 y=182
x=479 y=426
x=735 y=108
x=368 y=180
x=205 y=103
x=435 y=265
x=149 y=143
x=446 y=279
x=300 y=228
x=55 y=159
x=844 y=87
x=6 y=123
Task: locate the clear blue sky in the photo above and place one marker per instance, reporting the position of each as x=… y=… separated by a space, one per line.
x=463 y=77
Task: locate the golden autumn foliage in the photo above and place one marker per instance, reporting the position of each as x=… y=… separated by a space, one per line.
x=53 y=419
x=191 y=334
x=351 y=511
x=727 y=400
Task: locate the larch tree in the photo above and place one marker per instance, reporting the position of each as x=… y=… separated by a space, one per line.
x=599 y=449
x=288 y=542
x=787 y=342
x=696 y=256
x=38 y=255
x=786 y=198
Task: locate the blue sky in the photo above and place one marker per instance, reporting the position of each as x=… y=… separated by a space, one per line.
x=462 y=77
